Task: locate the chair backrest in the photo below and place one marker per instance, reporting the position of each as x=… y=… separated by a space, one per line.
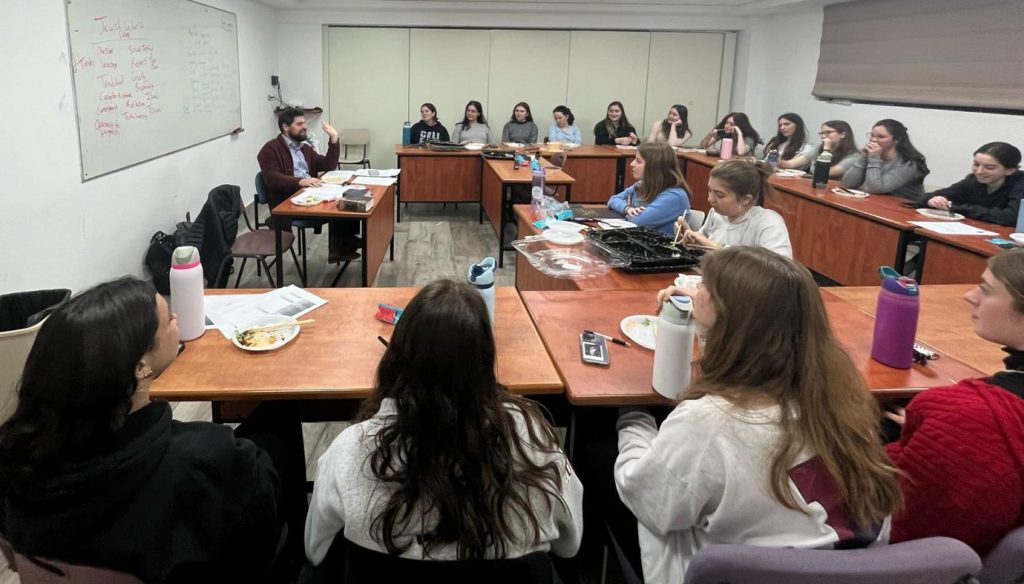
x=934 y=560
x=38 y=571
x=558 y=159
x=19 y=324
x=355 y=136
x=695 y=218
x=368 y=566
x=261 y=189
x=1005 y=563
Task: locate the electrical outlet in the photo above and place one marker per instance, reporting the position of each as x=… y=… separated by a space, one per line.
x=274 y=81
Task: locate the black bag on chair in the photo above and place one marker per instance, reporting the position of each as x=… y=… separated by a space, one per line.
x=158 y=261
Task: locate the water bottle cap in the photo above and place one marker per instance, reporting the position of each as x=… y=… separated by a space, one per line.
x=677 y=309
x=185 y=257
x=902 y=285
x=481 y=274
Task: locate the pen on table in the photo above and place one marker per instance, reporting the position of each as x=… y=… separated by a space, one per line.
x=610 y=338
x=382 y=340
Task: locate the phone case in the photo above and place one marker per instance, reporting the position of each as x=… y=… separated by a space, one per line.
x=594 y=349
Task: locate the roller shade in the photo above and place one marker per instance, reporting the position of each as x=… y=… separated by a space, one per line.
x=955 y=53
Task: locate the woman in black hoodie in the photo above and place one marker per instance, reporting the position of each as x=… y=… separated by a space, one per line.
x=92 y=472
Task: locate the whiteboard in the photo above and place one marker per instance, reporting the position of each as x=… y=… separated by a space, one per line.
x=150 y=77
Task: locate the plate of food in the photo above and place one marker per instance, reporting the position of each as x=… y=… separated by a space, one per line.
x=941 y=215
x=641 y=329
x=266 y=333
x=616 y=224
x=571 y=226
x=563 y=237
x=307 y=200
x=475 y=146
x=515 y=145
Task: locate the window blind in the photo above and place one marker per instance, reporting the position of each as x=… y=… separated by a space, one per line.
x=955 y=53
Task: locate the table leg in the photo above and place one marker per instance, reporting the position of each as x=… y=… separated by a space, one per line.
x=391 y=248
x=620 y=174
x=568 y=193
x=906 y=238
x=398 y=194
x=505 y=195
x=277 y=252
x=363 y=261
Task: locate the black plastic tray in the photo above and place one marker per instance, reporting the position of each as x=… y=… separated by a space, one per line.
x=645 y=250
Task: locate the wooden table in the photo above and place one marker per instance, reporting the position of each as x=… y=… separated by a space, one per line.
x=944 y=322
x=596 y=170
x=499 y=177
x=377 y=227
x=529 y=278
x=336 y=356
x=431 y=176
x=843 y=238
x=958 y=259
x=560 y=316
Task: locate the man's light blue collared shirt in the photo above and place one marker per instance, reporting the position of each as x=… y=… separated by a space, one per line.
x=299 y=166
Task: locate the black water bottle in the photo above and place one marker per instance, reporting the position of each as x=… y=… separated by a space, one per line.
x=821 y=168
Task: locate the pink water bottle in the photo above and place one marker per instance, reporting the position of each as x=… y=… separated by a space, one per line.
x=726 y=153
x=896 y=320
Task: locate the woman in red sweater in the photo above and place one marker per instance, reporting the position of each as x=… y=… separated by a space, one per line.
x=962 y=446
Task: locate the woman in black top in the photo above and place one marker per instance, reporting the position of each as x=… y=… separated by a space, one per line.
x=92 y=472
x=615 y=128
x=993 y=190
x=429 y=128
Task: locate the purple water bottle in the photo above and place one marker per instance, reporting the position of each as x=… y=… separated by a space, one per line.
x=896 y=320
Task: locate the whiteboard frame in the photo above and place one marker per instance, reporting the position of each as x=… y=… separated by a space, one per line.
x=78 y=121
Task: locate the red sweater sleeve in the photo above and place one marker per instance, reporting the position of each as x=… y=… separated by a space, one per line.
x=960 y=475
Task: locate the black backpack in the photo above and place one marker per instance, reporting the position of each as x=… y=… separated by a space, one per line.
x=161 y=248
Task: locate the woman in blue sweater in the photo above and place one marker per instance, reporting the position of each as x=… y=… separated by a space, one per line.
x=660 y=194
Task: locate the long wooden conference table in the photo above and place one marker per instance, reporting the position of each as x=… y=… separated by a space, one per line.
x=377 y=226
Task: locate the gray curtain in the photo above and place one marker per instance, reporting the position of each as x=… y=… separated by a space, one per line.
x=967 y=53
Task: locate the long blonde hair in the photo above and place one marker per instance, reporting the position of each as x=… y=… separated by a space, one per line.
x=771 y=337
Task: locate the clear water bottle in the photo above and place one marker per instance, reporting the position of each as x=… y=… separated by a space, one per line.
x=772 y=159
x=481 y=275
x=187 y=292
x=896 y=314
x=537 y=192
x=1020 y=220
x=673 y=347
x=822 y=165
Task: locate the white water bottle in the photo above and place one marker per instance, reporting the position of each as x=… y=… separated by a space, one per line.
x=187 y=292
x=673 y=347
x=481 y=275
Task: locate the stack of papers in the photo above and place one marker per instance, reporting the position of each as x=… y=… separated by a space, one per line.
x=390 y=172
x=374 y=180
x=328 y=192
x=229 y=312
x=951 y=228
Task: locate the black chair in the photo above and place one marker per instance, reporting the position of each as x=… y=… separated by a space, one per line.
x=348 y=563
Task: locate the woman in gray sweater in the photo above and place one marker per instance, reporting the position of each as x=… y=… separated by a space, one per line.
x=888 y=163
x=473 y=127
x=520 y=127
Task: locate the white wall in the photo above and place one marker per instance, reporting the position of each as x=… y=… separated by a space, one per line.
x=783 y=62
x=300 y=32
x=61 y=232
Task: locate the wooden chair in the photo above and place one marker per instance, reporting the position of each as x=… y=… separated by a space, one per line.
x=355 y=138
x=258 y=244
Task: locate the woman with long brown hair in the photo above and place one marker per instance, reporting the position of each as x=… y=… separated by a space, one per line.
x=660 y=194
x=446 y=464
x=776 y=441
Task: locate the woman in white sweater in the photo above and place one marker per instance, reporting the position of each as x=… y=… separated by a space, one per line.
x=775 y=443
x=736 y=192
x=440 y=434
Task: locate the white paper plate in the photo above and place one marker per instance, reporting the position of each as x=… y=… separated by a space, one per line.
x=569 y=226
x=940 y=215
x=475 y=146
x=790 y=172
x=641 y=329
x=563 y=237
x=283 y=335
x=854 y=193
x=305 y=200
x=514 y=145
x=616 y=224
x=1018 y=237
